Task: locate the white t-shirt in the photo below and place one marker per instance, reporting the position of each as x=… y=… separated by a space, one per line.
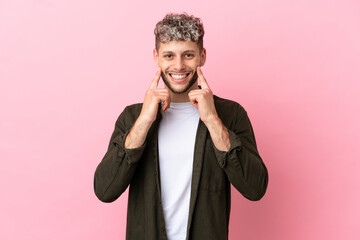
x=176 y=138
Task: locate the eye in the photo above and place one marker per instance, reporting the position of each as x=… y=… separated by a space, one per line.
x=168 y=56
x=189 y=55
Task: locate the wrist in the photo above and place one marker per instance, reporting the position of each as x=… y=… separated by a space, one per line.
x=213 y=122
x=137 y=134
x=143 y=121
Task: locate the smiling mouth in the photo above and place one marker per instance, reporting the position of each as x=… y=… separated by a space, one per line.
x=179 y=76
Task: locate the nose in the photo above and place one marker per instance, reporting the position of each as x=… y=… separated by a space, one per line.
x=179 y=64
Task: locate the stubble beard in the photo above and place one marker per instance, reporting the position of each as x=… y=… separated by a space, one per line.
x=187 y=87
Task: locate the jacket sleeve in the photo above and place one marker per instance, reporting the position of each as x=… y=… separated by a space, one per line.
x=242 y=163
x=115 y=171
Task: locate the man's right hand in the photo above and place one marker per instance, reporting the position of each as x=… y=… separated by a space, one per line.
x=153 y=97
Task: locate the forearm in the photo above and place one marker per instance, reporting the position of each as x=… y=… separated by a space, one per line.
x=245 y=170
x=114 y=173
x=137 y=134
x=241 y=161
x=219 y=134
x=112 y=176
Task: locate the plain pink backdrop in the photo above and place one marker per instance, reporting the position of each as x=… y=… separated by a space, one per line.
x=68 y=68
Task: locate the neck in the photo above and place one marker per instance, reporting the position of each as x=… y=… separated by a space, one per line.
x=183 y=97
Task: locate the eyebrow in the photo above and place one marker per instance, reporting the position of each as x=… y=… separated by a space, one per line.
x=186 y=51
x=189 y=51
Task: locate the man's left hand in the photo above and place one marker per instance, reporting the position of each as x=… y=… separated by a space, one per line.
x=203 y=100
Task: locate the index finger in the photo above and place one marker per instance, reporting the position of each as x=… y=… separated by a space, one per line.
x=155 y=81
x=203 y=82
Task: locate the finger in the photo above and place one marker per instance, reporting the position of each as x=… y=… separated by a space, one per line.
x=166 y=103
x=167 y=100
x=165 y=107
x=193 y=101
x=155 y=81
x=161 y=91
x=199 y=96
x=202 y=80
x=196 y=92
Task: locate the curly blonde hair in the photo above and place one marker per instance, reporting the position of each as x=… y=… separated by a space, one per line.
x=179 y=27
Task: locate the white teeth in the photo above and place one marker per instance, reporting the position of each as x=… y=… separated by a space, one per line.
x=178 y=76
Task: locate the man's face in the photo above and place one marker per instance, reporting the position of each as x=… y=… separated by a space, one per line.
x=178 y=61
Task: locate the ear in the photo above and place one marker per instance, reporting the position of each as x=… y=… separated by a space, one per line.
x=156 y=57
x=202 y=57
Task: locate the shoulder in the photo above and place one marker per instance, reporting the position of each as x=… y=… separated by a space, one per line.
x=130 y=113
x=230 y=112
x=133 y=108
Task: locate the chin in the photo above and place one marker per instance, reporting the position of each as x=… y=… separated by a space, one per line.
x=179 y=87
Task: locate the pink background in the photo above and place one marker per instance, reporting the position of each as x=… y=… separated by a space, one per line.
x=68 y=68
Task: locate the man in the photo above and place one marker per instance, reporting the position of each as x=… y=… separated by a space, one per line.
x=181 y=148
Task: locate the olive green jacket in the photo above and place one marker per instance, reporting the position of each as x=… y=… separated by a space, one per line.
x=213 y=171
